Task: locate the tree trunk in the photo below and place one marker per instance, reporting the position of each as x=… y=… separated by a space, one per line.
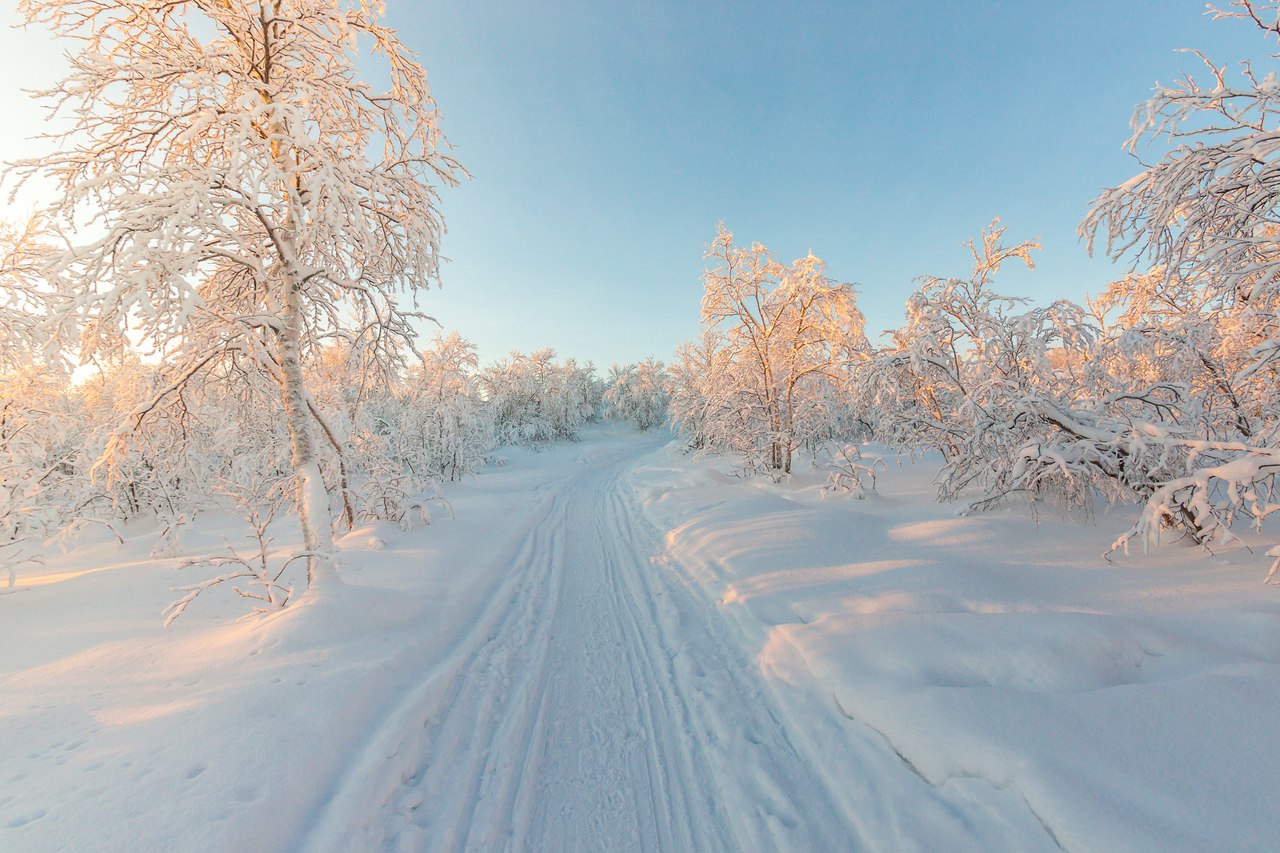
x=312 y=496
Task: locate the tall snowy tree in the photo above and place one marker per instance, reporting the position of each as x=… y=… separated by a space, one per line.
x=249 y=197
x=789 y=335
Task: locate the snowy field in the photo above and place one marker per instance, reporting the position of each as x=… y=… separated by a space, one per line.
x=614 y=646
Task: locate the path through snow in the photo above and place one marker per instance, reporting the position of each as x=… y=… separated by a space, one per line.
x=599 y=704
x=617 y=647
x=590 y=709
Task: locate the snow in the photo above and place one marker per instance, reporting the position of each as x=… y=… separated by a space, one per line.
x=613 y=645
x=1128 y=704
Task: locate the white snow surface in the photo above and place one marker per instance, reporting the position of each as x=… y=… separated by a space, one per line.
x=615 y=646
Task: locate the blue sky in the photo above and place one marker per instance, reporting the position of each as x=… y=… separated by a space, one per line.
x=607 y=139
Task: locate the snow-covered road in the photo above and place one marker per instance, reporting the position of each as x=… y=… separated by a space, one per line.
x=595 y=706
x=616 y=646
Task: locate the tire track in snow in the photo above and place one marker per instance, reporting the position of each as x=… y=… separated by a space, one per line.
x=776 y=798
x=611 y=775
x=389 y=780
x=594 y=707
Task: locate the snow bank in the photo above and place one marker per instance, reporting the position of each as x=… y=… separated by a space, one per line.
x=1129 y=704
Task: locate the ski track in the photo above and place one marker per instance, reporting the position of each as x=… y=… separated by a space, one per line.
x=593 y=707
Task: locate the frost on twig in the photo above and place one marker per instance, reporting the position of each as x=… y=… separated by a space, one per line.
x=848 y=472
x=15 y=553
x=261 y=572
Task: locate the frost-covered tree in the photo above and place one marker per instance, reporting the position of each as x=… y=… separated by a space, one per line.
x=1206 y=215
x=696 y=402
x=638 y=393
x=1057 y=406
x=780 y=340
x=1168 y=355
x=967 y=374
x=449 y=412
x=41 y=471
x=429 y=428
x=535 y=399
x=955 y=329
x=25 y=298
x=1208 y=211
x=248 y=197
x=38 y=434
x=157 y=473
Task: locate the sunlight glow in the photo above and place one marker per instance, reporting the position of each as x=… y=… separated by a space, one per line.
x=142 y=713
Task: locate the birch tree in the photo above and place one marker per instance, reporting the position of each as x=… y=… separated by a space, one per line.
x=249 y=197
x=789 y=334
x=1206 y=215
x=1208 y=211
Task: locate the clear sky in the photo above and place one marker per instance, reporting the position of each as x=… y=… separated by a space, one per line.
x=607 y=139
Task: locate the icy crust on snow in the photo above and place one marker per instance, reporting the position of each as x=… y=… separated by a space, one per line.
x=1130 y=705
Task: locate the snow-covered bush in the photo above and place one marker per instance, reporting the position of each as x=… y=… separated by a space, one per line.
x=256 y=572
x=696 y=403
x=27 y=337
x=39 y=428
x=149 y=466
x=1148 y=396
x=848 y=473
x=41 y=462
x=1200 y=335
x=1168 y=355
x=963 y=374
x=450 y=415
x=638 y=393
x=1062 y=405
x=535 y=399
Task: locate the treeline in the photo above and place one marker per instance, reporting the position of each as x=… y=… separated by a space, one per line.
x=1162 y=390
x=1158 y=391
x=114 y=447
x=269 y=270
